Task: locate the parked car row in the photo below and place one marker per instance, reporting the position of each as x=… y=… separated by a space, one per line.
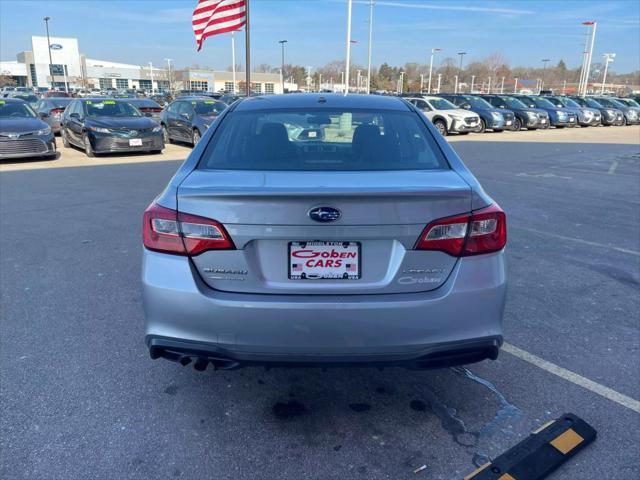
x=102 y=124
x=464 y=113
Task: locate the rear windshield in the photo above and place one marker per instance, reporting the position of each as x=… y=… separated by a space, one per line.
x=208 y=107
x=15 y=110
x=59 y=102
x=592 y=103
x=110 y=108
x=323 y=140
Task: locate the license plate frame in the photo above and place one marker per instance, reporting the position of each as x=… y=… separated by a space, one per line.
x=357 y=275
x=135 y=142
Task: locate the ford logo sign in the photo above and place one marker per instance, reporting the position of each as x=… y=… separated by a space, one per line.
x=56 y=46
x=324 y=214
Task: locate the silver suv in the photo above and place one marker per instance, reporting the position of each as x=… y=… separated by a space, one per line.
x=323 y=229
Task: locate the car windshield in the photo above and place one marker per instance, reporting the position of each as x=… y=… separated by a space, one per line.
x=611 y=102
x=592 y=103
x=110 y=108
x=476 y=102
x=208 y=107
x=567 y=102
x=15 y=110
x=542 y=102
x=630 y=102
x=441 y=104
x=513 y=102
x=323 y=140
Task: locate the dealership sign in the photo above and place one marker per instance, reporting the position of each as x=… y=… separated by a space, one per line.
x=56 y=46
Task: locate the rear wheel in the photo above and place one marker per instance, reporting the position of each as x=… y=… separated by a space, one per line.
x=88 y=150
x=483 y=126
x=165 y=135
x=195 y=137
x=624 y=121
x=441 y=127
x=65 y=140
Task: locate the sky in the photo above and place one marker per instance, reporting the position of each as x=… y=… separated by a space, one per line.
x=140 y=31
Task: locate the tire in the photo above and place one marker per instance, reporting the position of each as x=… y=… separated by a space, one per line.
x=498 y=130
x=624 y=121
x=463 y=133
x=65 y=140
x=88 y=150
x=441 y=127
x=165 y=135
x=155 y=152
x=517 y=125
x=195 y=137
x=483 y=126
x=560 y=126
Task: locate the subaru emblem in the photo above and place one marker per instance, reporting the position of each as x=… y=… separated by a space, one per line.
x=325 y=214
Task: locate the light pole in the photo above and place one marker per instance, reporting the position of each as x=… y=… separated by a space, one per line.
x=489 y=87
x=608 y=58
x=462 y=54
x=169 y=60
x=473 y=78
x=515 y=85
x=233 y=61
x=433 y=51
x=502 y=86
x=46 y=23
x=282 y=42
x=421 y=82
x=370 y=46
x=319 y=82
x=400 y=83
x=347 y=63
x=544 y=69
x=588 y=57
x=358 y=81
x=455 y=85
x=439 y=81
x=151 y=74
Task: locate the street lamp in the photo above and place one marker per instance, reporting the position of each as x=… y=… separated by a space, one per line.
x=400 y=83
x=462 y=54
x=46 y=22
x=169 y=60
x=544 y=68
x=282 y=42
x=608 y=58
x=433 y=51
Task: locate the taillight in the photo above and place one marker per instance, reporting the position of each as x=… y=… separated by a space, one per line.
x=482 y=231
x=168 y=231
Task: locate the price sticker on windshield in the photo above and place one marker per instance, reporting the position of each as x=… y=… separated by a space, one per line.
x=209 y=102
x=109 y=102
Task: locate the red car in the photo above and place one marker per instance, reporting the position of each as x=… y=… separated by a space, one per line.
x=56 y=94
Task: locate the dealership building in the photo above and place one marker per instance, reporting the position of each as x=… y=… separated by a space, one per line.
x=67 y=67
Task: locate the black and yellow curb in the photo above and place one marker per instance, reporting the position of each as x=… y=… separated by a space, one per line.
x=540 y=453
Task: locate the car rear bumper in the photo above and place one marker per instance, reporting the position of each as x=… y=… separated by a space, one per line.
x=459 y=322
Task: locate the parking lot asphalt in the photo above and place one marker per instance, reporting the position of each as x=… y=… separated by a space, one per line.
x=81 y=399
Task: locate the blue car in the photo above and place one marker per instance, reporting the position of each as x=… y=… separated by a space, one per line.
x=491 y=118
x=188 y=118
x=558 y=117
x=525 y=116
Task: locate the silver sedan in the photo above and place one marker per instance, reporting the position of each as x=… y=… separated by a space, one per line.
x=323 y=230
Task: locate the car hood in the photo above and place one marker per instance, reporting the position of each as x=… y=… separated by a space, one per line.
x=12 y=125
x=121 y=122
x=460 y=112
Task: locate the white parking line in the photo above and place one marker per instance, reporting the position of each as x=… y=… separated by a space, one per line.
x=579 y=240
x=572 y=377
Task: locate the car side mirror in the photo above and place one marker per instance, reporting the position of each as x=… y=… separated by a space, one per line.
x=501 y=106
x=466 y=106
x=186 y=116
x=43 y=115
x=75 y=115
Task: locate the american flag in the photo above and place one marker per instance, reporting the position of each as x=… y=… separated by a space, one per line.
x=212 y=17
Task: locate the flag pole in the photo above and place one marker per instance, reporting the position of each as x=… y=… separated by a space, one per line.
x=348 y=59
x=247 y=37
x=233 y=60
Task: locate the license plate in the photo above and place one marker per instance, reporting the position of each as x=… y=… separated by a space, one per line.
x=544 y=120
x=508 y=122
x=320 y=260
x=135 y=142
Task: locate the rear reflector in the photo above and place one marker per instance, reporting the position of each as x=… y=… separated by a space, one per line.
x=168 y=231
x=475 y=233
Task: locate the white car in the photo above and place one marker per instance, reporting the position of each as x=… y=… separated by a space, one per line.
x=445 y=116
